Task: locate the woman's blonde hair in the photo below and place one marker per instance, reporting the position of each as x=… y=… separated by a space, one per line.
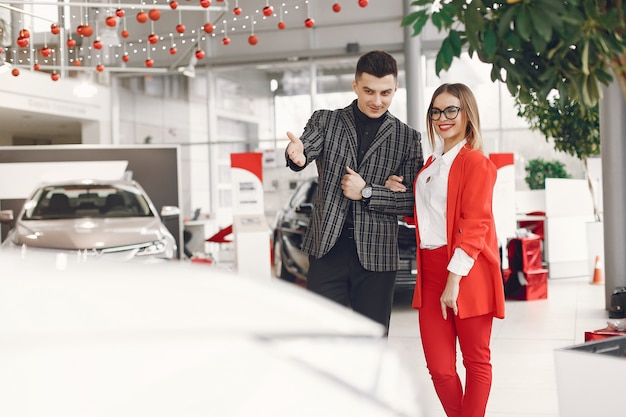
x=468 y=105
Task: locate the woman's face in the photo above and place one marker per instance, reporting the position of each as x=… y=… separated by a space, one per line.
x=451 y=131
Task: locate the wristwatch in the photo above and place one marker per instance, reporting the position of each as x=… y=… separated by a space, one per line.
x=366 y=192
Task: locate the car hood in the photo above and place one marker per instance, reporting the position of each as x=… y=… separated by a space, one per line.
x=87 y=233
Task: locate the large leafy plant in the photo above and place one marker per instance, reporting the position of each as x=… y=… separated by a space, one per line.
x=537 y=170
x=534 y=46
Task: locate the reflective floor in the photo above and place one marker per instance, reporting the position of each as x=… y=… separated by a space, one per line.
x=523 y=344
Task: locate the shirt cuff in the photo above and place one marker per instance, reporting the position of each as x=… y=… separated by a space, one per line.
x=461 y=263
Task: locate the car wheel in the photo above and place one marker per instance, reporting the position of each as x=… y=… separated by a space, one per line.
x=279 y=267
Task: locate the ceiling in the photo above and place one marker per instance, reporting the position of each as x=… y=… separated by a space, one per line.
x=72 y=16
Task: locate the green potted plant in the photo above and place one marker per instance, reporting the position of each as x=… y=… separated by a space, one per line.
x=538 y=169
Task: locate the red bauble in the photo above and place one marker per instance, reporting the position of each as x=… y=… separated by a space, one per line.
x=268 y=10
x=142 y=17
x=220 y=1
x=237 y=11
x=336 y=7
x=180 y=28
x=253 y=39
x=110 y=21
x=22 y=42
x=226 y=41
x=309 y=22
x=55 y=29
x=125 y=57
x=281 y=25
x=97 y=44
x=208 y=27
x=45 y=52
x=71 y=42
x=99 y=67
x=149 y=62
x=173 y=50
x=363 y=3
x=77 y=63
x=205 y=3
x=120 y=13
x=79 y=29
x=87 y=31
x=24 y=33
x=36 y=67
x=173 y=5
x=199 y=54
x=153 y=38
x=154 y=14
x=55 y=76
x=15 y=72
x=124 y=33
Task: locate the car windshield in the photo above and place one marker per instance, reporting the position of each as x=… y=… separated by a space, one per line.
x=80 y=200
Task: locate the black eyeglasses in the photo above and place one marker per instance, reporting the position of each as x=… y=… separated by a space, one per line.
x=451 y=112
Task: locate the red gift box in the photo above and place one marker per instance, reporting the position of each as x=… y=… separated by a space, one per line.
x=602 y=334
x=531 y=285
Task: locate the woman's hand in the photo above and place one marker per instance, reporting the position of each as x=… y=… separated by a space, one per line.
x=450 y=295
x=394 y=183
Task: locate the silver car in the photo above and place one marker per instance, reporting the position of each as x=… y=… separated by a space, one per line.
x=112 y=219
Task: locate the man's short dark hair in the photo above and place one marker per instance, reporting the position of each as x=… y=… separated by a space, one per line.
x=378 y=64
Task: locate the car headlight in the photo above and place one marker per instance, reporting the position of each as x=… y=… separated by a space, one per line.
x=154 y=248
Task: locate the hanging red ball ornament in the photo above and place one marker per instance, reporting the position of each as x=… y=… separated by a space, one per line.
x=173 y=5
x=237 y=11
x=173 y=50
x=120 y=13
x=125 y=33
x=154 y=14
x=55 y=76
x=149 y=62
x=180 y=28
x=71 y=42
x=87 y=31
x=309 y=22
x=253 y=39
x=336 y=7
x=268 y=10
x=111 y=21
x=153 y=38
x=36 y=67
x=77 y=63
x=22 y=42
x=205 y=3
x=363 y=3
x=226 y=41
x=79 y=29
x=125 y=57
x=55 y=29
x=208 y=27
x=24 y=33
x=199 y=54
x=99 y=67
x=281 y=25
x=15 y=72
x=45 y=52
x=142 y=17
x=97 y=44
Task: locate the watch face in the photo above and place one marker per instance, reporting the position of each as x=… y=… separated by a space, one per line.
x=366 y=192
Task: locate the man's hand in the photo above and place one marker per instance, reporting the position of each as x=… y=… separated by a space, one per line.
x=394 y=183
x=295 y=150
x=352 y=184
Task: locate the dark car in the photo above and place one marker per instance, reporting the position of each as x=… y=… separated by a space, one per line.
x=291 y=264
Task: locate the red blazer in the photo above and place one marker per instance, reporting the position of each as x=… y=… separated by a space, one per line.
x=471 y=227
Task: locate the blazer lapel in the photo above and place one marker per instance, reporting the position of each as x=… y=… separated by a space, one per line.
x=350 y=130
x=383 y=134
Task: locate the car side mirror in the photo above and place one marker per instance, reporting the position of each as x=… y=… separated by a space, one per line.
x=6 y=216
x=304 y=208
x=169 y=211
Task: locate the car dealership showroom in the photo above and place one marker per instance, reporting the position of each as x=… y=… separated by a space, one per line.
x=151 y=231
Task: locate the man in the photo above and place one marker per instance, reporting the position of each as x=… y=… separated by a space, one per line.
x=352 y=240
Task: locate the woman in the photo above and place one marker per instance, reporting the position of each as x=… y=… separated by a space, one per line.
x=459 y=288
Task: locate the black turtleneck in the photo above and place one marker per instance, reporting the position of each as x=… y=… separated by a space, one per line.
x=366 y=129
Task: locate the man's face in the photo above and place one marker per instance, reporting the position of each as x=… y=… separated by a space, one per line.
x=374 y=94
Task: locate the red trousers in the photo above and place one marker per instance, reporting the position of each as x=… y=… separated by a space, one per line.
x=439 y=340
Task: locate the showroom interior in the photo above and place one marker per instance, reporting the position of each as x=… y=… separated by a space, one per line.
x=180 y=93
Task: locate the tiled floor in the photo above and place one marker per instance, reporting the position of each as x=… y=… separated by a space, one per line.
x=523 y=344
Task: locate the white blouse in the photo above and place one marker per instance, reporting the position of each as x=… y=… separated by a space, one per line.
x=431 y=198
